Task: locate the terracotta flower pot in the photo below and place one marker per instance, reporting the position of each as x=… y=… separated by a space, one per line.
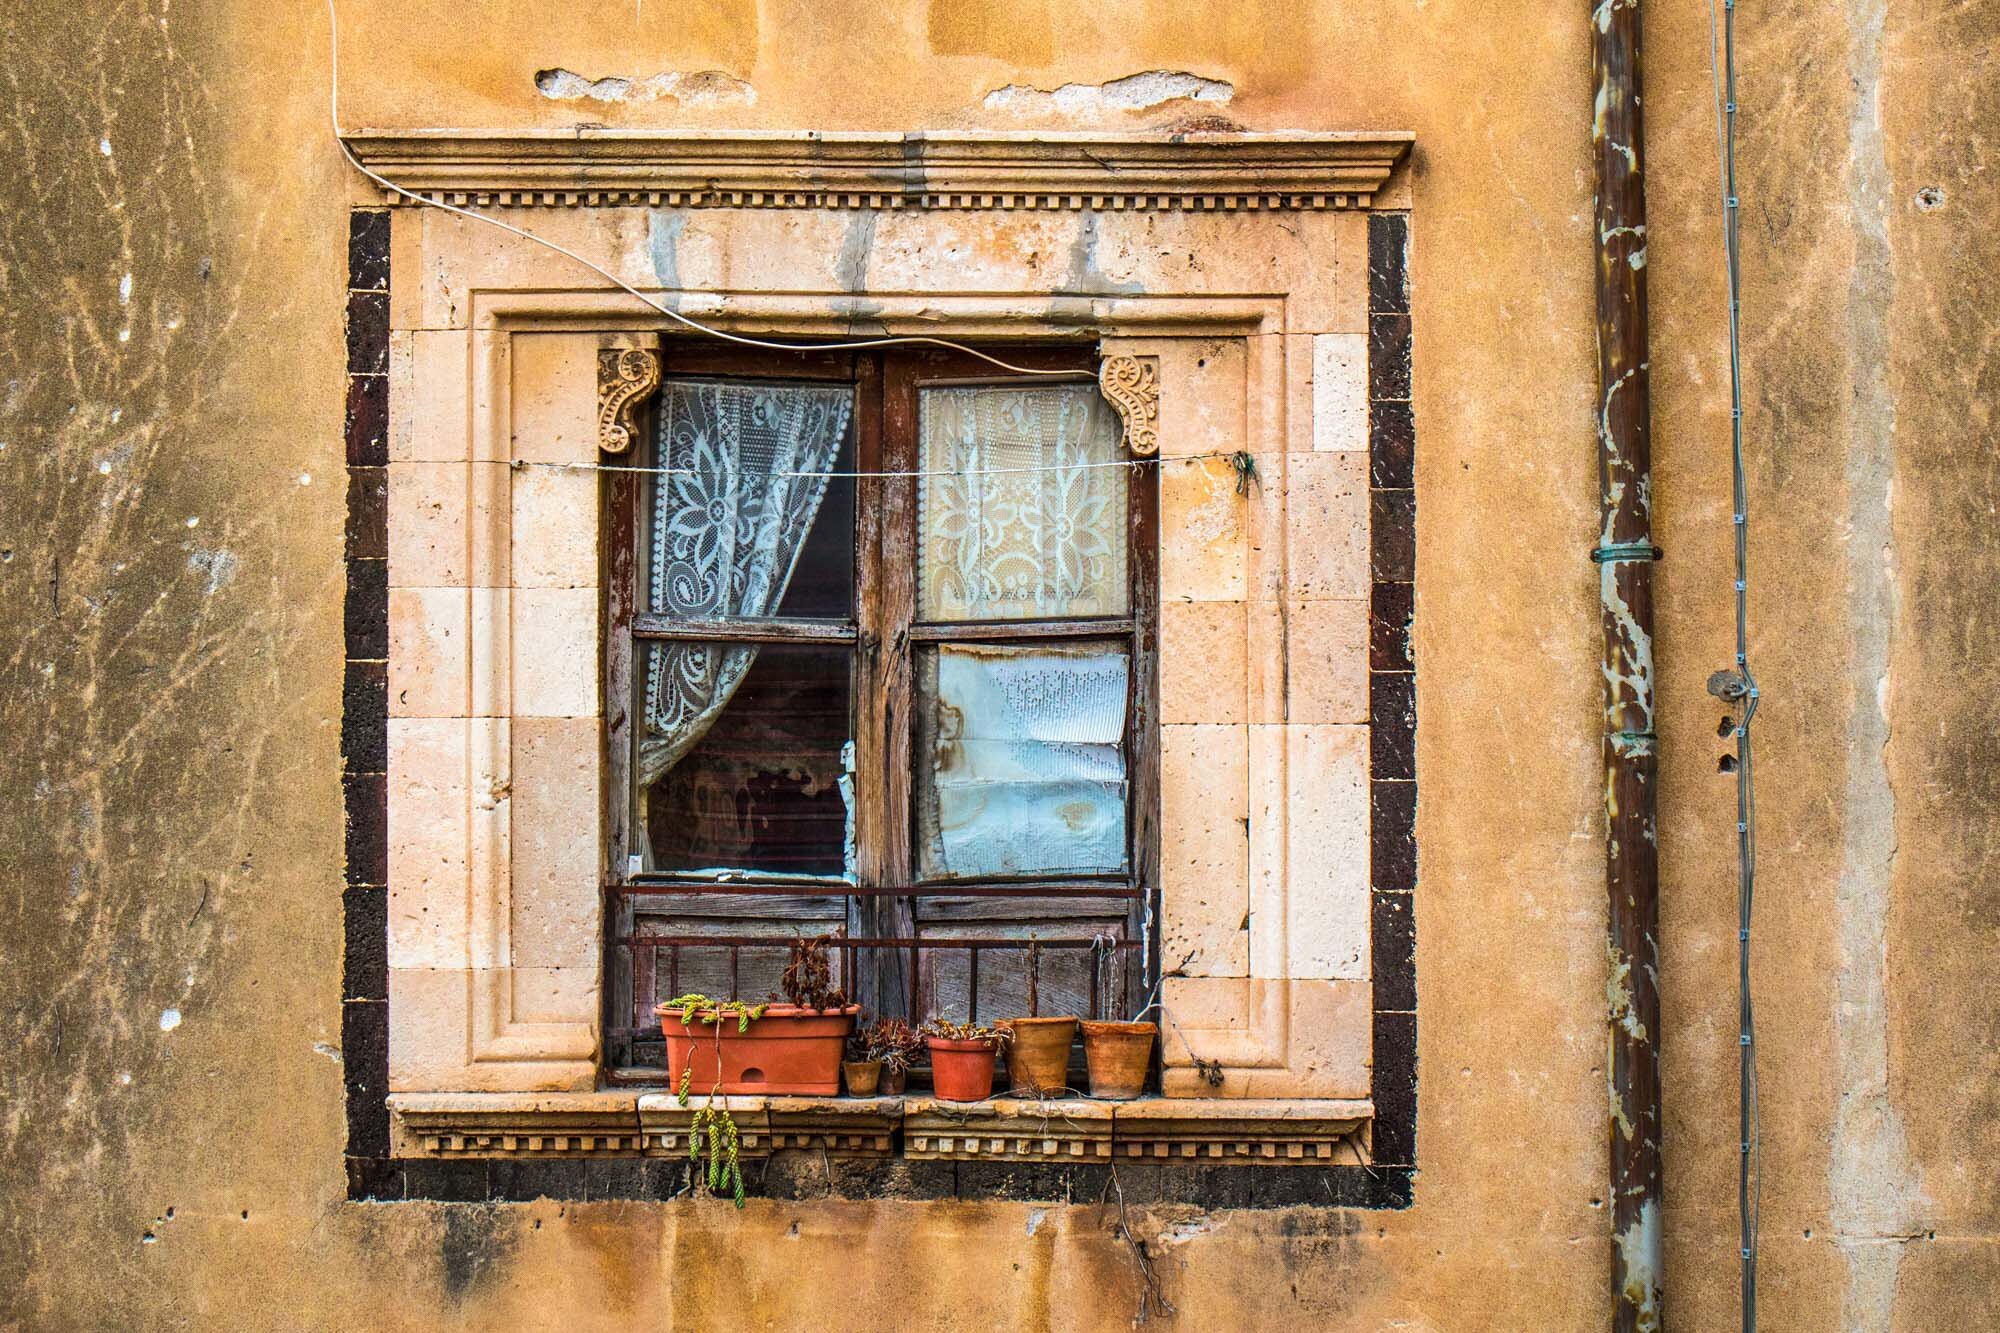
x=1120 y=1056
x=788 y=1050
x=962 y=1071
x=1038 y=1057
x=863 y=1077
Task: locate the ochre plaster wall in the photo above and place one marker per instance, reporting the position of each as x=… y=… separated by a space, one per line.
x=170 y=705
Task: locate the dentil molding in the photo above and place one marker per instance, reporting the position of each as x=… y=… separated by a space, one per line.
x=595 y=167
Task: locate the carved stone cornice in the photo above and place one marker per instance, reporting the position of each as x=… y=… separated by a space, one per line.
x=593 y=167
x=1272 y=1132
x=1132 y=383
x=626 y=377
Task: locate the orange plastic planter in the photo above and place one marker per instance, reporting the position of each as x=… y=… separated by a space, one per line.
x=789 y=1050
x=962 y=1071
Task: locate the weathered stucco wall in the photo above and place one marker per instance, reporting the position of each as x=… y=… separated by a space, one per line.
x=172 y=258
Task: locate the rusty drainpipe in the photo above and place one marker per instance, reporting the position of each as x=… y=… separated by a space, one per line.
x=1625 y=554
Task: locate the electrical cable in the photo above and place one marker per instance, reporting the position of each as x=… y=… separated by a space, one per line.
x=333 y=114
x=1740 y=687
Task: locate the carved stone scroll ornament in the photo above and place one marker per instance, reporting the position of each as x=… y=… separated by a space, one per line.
x=626 y=377
x=1132 y=383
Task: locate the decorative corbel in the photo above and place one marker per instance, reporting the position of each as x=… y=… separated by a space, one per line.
x=626 y=377
x=1132 y=383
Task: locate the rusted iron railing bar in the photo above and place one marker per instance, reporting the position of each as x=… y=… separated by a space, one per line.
x=736 y=942
x=832 y=888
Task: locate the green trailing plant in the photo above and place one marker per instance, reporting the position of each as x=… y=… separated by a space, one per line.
x=713 y=1137
x=696 y=1006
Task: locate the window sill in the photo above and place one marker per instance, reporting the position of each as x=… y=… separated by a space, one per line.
x=1075 y=1130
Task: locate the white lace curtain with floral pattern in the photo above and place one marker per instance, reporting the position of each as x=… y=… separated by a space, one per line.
x=731 y=511
x=1028 y=517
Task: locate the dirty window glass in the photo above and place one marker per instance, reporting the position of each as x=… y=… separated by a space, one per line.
x=1021 y=513
x=766 y=788
x=1020 y=760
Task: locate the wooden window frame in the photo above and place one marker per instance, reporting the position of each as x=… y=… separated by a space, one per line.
x=884 y=635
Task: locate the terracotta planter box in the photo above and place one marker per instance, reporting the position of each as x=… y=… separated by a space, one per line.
x=789 y=1051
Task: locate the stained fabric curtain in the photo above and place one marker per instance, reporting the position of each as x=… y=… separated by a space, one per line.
x=731 y=509
x=1021 y=513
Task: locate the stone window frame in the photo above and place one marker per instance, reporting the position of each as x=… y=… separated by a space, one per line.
x=585 y=1133
x=629 y=381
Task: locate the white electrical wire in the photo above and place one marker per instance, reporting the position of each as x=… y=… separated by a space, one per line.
x=333 y=112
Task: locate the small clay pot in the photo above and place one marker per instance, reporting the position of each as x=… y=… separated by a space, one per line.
x=1038 y=1057
x=893 y=1081
x=1119 y=1056
x=863 y=1076
x=962 y=1071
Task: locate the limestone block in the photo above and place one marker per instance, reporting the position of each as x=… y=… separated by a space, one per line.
x=1331 y=1043
x=429 y=779
x=429 y=543
x=1202 y=662
x=1270 y=803
x=552 y=996
x=1202 y=387
x=554 y=666
x=1265 y=633
x=406 y=251
x=1326 y=830
x=554 y=533
x=555 y=842
x=1265 y=500
x=917 y=250
x=436 y=1045
x=430 y=671
x=462 y=256
x=1179 y=251
x=553 y=413
x=491 y=669
x=1297 y=351
x=1340 y=392
x=1326 y=507
x=1204 y=550
x=1239 y=1021
x=430 y=396
x=1204 y=862
x=1326 y=661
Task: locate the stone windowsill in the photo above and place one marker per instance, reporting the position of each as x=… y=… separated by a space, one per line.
x=634 y=1123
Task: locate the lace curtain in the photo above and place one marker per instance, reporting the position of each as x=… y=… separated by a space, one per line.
x=1048 y=539
x=728 y=523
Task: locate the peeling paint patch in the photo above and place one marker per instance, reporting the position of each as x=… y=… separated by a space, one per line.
x=1639 y=1258
x=699 y=88
x=217 y=566
x=1134 y=92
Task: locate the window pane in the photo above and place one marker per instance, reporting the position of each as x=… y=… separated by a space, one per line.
x=1028 y=520
x=1020 y=760
x=755 y=779
x=742 y=523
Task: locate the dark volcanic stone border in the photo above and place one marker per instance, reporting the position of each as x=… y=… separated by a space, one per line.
x=373 y=1175
x=364 y=727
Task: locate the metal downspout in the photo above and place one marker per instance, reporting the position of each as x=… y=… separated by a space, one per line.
x=1624 y=556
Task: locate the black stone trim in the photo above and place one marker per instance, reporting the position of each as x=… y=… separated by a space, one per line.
x=364 y=723
x=1392 y=699
x=374 y=1176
